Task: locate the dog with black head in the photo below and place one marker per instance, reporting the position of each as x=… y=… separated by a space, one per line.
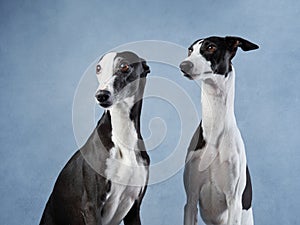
x=216 y=174
x=105 y=181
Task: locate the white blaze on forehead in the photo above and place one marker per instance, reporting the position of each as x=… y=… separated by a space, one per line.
x=107 y=69
x=196 y=47
x=200 y=65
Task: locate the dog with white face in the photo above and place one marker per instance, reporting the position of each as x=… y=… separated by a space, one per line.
x=106 y=179
x=216 y=174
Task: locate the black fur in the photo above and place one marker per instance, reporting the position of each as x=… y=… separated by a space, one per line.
x=104 y=130
x=197 y=141
x=247 y=194
x=137 y=69
x=225 y=50
x=80 y=191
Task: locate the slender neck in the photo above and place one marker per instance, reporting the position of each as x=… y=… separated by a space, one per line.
x=124 y=134
x=217 y=97
x=125 y=120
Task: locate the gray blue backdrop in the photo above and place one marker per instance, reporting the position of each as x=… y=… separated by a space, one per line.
x=45 y=47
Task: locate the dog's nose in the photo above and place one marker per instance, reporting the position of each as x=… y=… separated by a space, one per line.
x=186 y=66
x=102 y=96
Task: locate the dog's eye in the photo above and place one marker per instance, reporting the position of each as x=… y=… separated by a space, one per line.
x=190 y=52
x=124 y=67
x=98 y=69
x=211 y=48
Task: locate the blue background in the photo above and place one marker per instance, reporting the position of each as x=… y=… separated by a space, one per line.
x=45 y=47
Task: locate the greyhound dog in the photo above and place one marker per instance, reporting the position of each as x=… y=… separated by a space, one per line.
x=216 y=173
x=105 y=181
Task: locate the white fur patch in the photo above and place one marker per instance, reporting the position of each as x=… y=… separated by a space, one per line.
x=202 y=67
x=247 y=217
x=128 y=180
x=127 y=174
x=106 y=73
x=221 y=164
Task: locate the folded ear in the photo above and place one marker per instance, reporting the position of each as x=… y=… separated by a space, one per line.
x=234 y=42
x=145 y=67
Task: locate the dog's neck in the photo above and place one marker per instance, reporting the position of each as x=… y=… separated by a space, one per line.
x=125 y=120
x=217 y=97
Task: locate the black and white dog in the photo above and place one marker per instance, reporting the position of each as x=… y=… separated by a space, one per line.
x=216 y=173
x=105 y=181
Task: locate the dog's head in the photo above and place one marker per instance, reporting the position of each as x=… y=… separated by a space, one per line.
x=119 y=75
x=213 y=55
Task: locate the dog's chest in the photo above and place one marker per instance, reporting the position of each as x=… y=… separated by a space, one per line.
x=125 y=167
x=222 y=178
x=128 y=178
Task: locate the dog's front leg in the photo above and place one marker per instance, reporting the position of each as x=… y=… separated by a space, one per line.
x=233 y=190
x=190 y=214
x=234 y=196
x=234 y=211
x=133 y=216
x=192 y=189
x=191 y=210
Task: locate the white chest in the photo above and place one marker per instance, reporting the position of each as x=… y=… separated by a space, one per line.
x=128 y=178
x=125 y=168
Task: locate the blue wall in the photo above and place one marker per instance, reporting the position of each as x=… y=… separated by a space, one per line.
x=45 y=47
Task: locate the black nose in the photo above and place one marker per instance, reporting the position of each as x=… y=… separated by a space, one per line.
x=186 y=66
x=102 y=96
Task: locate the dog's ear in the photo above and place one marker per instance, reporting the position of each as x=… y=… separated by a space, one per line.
x=145 y=67
x=234 y=42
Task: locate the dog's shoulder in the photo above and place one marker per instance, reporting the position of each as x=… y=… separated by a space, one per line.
x=198 y=142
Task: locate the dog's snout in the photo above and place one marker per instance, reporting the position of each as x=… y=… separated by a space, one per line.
x=102 y=95
x=186 y=66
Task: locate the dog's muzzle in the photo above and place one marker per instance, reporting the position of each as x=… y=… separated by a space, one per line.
x=186 y=67
x=103 y=97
